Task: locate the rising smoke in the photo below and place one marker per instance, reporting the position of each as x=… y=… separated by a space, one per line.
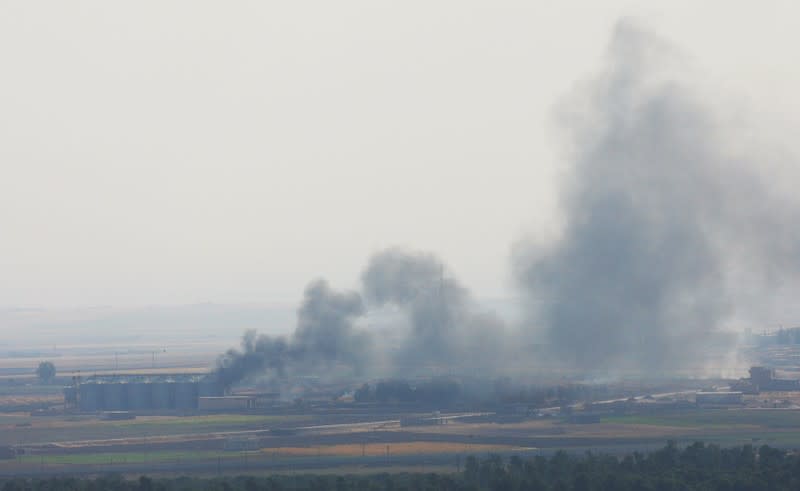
x=668 y=235
x=325 y=333
x=259 y=354
x=446 y=327
x=324 y=337
x=664 y=228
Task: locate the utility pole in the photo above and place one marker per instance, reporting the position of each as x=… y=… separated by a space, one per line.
x=442 y=303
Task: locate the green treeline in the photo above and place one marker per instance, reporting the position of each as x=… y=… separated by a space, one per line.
x=696 y=467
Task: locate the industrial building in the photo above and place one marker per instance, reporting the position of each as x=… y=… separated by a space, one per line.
x=764 y=380
x=761 y=377
x=227 y=403
x=145 y=393
x=719 y=398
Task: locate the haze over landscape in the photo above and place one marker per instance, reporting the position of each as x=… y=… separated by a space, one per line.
x=199 y=178
x=450 y=245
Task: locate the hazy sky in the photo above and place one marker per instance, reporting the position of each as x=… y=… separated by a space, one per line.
x=160 y=152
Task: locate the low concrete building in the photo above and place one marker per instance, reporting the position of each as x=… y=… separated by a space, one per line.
x=422 y=421
x=118 y=415
x=718 y=398
x=226 y=403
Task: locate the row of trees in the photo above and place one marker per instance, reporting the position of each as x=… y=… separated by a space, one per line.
x=697 y=467
x=46 y=371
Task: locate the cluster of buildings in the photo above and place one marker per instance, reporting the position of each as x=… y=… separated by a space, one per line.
x=763 y=379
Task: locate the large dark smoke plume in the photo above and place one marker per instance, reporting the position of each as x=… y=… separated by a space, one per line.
x=664 y=227
x=324 y=337
x=447 y=329
x=669 y=234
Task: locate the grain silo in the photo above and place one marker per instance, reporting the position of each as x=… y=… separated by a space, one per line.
x=141 y=392
x=185 y=395
x=140 y=395
x=162 y=395
x=89 y=397
x=113 y=395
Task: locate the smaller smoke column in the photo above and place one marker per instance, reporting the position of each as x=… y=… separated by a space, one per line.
x=259 y=353
x=445 y=328
x=324 y=336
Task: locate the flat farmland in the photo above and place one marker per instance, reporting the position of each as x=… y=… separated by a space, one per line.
x=716 y=419
x=321 y=441
x=21 y=429
x=79 y=431
x=343 y=450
